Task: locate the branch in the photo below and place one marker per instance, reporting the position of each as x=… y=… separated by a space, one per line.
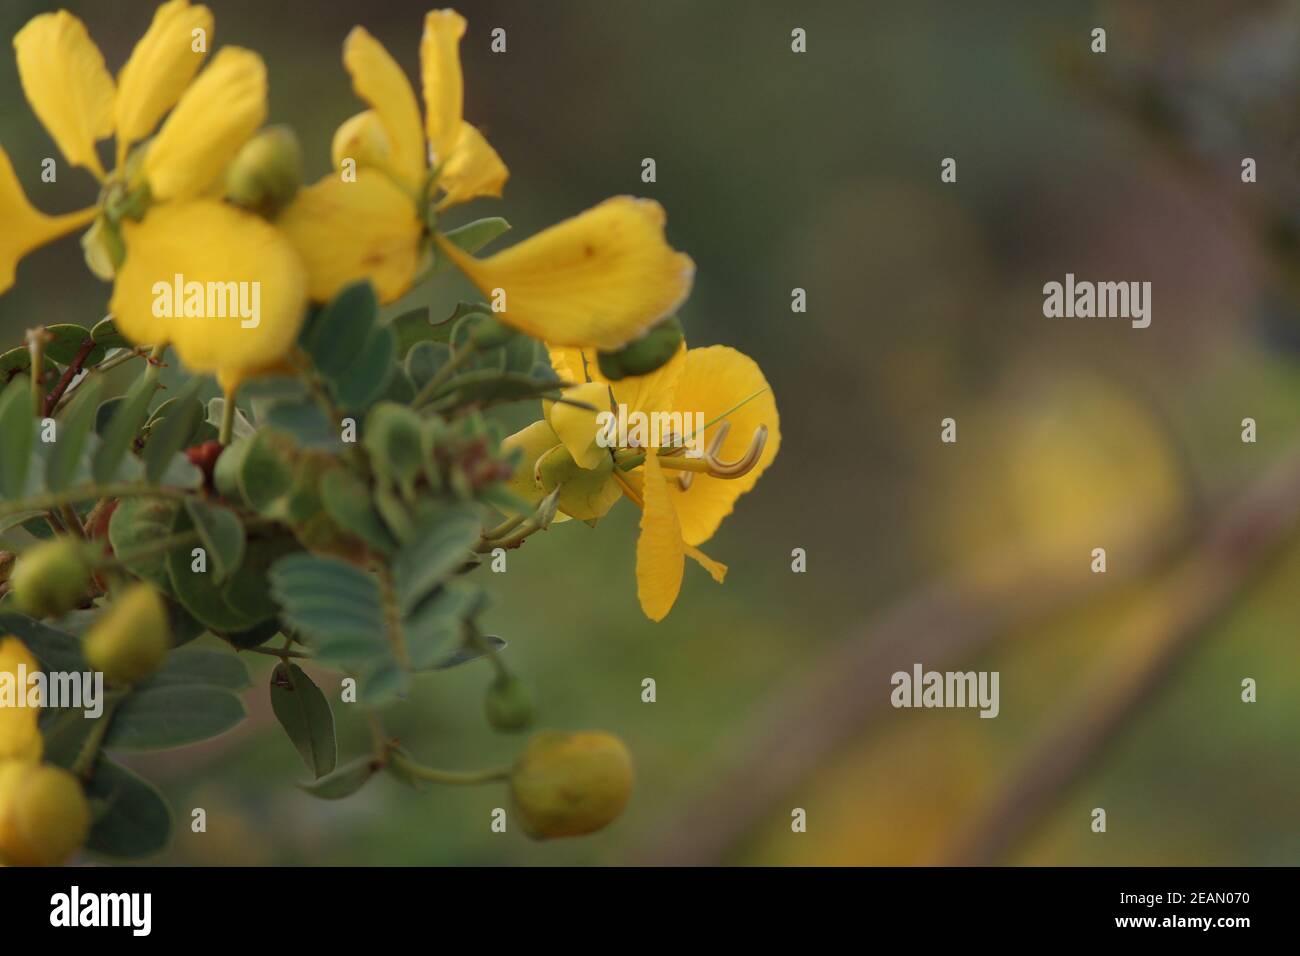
x=804 y=726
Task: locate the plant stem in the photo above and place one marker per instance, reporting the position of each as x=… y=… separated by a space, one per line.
x=69 y=373
x=442 y=376
x=452 y=777
x=84 y=765
x=36 y=349
x=227 y=419
x=53 y=500
x=282 y=653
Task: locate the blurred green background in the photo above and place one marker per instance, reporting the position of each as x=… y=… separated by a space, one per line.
x=821 y=171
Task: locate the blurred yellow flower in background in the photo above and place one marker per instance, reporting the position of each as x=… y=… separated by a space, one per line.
x=20 y=738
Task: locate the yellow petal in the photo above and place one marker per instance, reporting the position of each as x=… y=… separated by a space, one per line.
x=715 y=380
x=440 y=74
x=578 y=428
x=213 y=120
x=363 y=140
x=633 y=486
x=220 y=253
x=660 y=554
x=20 y=738
x=533 y=442
x=25 y=227
x=599 y=279
x=347 y=231
x=473 y=169
x=639 y=393
x=380 y=82
x=67 y=84
x=161 y=66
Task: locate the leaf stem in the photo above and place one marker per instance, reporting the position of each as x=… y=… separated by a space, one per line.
x=54 y=500
x=84 y=765
x=452 y=777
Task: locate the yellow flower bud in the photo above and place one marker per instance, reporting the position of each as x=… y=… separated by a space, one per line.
x=50 y=579
x=44 y=816
x=267 y=172
x=570 y=784
x=131 y=640
x=20 y=737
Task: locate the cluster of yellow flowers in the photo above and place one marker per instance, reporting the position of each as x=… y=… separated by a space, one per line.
x=200 y=189
x=597 y=281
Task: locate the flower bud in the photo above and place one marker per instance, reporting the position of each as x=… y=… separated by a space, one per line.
x=509 y=705
x=132 y=638
x=585 y=493
x=644 y=355
x=265 y=175
x=570 y=784
x=20 y=736
x=50 y=579
x=44 y=816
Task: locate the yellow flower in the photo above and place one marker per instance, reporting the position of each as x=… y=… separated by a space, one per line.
x=683 y=498
x=159 y=217
x=20 y=738
x=597 y=280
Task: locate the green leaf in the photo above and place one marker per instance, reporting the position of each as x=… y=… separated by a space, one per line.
x=305 y=715
x=222 y=535
x=417 y=326
x=366 y=377
x=327 y=596
x=55 y=649
x=198 y=591
x=471 y=653
x=122 y=428
x=339 y=331
x=13 y=362
x=172 y=716
x=347 y=501
x=436 y=550
x=473 y=236
x=67 y=341
x=106 y=334
x=392 y=436
x=344 y=781
x=135 y=523
x=171 y=429
x=248 y=591
x=305 y=423
x=17 y=432
x=134 y=820
x=76 y=427
x=217 y=409
x=198 y=666
x=438 y=622
x=265 y=470
x=424 y=360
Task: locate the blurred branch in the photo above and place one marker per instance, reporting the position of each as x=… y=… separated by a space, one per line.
x=803 y=727
x=1233 y=555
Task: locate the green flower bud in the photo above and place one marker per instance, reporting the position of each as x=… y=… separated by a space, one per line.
x=132 y=639
x=644 y=355
x=267 y=172
x=489 y=333
x=44 y=816
x=570 y=784
x=509 y=705
x=585 y=493
x=103 y=249
x=51 y=578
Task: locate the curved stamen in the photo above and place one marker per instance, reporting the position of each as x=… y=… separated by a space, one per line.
x=715 y=466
